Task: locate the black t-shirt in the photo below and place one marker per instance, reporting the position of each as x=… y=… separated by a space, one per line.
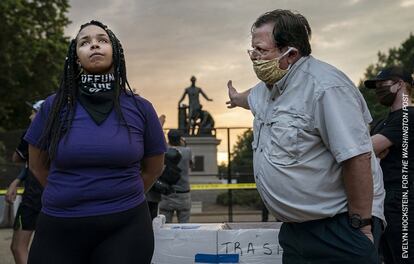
x=32 y=188
x=391 y=128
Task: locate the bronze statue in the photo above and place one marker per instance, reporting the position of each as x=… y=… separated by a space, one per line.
x=195 y=117
x=205 y=123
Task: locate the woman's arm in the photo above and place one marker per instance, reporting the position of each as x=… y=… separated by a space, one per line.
x=38 y=164
x=151 y=169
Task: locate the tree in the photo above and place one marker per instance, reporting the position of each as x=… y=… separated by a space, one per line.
x=242 y=158
x=403 y=56
x=32 y=52
x=242 y=166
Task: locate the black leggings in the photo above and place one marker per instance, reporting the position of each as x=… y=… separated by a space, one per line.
x=125 y=238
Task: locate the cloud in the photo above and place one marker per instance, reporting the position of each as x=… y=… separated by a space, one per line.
x=167 y=41
x=407 y=3
x=353 y=2
x=338 y=26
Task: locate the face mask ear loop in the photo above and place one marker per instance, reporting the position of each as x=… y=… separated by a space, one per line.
x=397 y=88
x=289 y=50
x=284 y=54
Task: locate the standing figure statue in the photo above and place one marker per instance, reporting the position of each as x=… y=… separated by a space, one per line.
x=193 y=93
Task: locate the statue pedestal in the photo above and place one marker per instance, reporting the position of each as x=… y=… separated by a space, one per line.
x=204 y=150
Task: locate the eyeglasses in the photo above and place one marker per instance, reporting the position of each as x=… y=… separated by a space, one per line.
x=254 y=53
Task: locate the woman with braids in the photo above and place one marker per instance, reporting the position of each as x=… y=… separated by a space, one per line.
x=96 y=148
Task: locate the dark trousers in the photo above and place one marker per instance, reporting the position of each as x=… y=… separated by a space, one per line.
x=329 y=241
x=124 y=238
x=153 y=209
x=391 y=241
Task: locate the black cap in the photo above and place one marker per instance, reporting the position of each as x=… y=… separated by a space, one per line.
x=390 y=73
x=174 y=135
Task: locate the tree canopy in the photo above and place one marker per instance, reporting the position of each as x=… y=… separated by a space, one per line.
x=402 y=56
x=32 y=53
x=242 y=157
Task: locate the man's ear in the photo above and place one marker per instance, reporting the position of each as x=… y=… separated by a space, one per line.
x=293 y=56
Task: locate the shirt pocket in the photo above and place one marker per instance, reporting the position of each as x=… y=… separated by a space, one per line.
x=285 y=131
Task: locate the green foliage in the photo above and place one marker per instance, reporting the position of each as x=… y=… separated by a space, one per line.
x=403 y=56
x=241 y=197
x=222 y=169
x=32 y=53
x=242 y=159
x=2 y=153
x=242 y=169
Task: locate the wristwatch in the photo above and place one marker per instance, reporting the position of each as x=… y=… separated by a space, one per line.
x=356 y=221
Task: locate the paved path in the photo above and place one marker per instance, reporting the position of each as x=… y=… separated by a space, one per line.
x=5 y=239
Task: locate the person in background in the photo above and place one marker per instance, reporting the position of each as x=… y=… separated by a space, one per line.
x=154 y=197
x=180 y=200
x=97 y=148
x=29 y=209
x=393 y=142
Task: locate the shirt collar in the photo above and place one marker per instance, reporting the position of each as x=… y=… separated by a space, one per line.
x=281 y=85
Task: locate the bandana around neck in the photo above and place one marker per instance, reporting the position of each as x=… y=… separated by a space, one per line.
x=96 y=95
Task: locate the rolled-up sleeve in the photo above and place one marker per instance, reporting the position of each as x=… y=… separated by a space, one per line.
x=340 y=121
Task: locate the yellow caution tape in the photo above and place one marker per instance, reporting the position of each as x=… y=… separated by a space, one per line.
x=222 y=186
x=19 y=191
x=194 y=187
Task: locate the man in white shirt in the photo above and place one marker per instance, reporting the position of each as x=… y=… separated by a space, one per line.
x=313 y=158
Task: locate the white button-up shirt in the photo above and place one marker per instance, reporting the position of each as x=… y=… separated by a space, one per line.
x=311 y=121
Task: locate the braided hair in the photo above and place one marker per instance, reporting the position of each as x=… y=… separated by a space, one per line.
x=62 y=112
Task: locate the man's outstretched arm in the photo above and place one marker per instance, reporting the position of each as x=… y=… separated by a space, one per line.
x=236 y=98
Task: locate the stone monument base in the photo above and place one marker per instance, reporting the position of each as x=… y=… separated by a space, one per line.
x=204 y=150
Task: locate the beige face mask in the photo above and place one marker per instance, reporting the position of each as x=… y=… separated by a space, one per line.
x=269 y=71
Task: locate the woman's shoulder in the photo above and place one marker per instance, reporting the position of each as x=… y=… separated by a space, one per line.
x=47 y=104
x=139 y=100
x=50 y=98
